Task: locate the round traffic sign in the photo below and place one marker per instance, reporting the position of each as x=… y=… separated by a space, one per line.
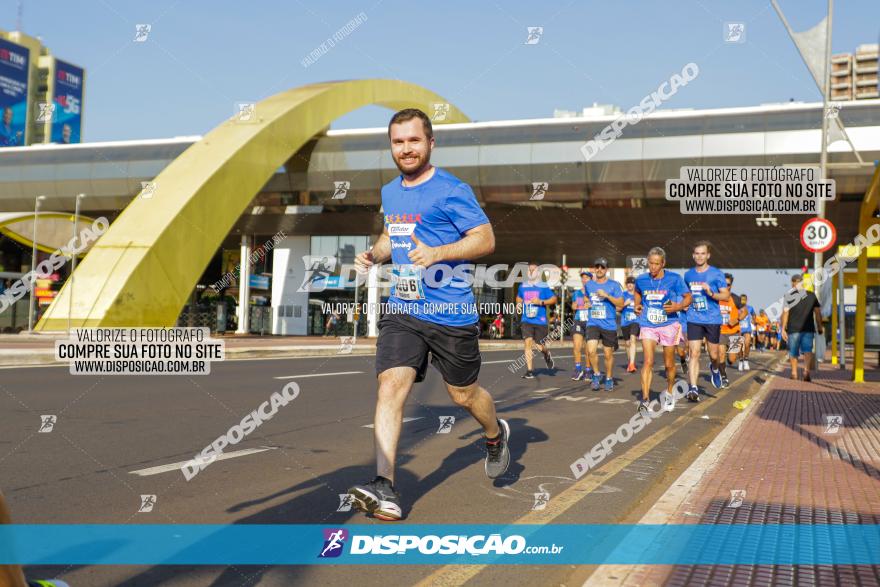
x=818 y=235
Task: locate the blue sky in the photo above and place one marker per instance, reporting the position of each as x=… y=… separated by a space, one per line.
x=202 y=57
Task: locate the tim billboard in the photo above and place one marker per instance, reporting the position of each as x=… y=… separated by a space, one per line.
x=14 y=69
x=67 y=97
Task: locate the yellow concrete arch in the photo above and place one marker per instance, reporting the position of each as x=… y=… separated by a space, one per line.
x=143 y=269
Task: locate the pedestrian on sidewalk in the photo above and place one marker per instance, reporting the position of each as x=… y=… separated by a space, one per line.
x=800 y=324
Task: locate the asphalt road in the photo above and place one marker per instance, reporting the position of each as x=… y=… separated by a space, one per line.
x=110 y=428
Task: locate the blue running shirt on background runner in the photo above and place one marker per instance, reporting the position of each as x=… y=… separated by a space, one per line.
x=746 y=323
x=629 y=313
x=579 y=306
x=439 y=212
x=703 y=309
x=603 y=313
x=655 y=293
x=533 y=313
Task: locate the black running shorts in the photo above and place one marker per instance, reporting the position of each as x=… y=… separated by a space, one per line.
x=631 y=329
x=537 y=332
x=608 y=337
x=405 y=341
x=711 y=332
x=579 y=328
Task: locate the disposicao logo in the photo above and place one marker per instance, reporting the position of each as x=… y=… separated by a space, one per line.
x=334 y=541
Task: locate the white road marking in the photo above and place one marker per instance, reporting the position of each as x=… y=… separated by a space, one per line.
x=513 y=360
x=545 y=390
x=318 y=375
x=177 y=466
x=405 y=420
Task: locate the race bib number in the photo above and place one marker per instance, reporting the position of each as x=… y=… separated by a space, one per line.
x=598 y=312
x=531 y=311
x=699 y=303
x=580 y=315
x=409 y=283
x=656 y=315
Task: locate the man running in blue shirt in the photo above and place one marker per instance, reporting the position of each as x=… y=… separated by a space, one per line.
x=433 y=223
x=655 y=293
x=532 y=300
x=581 y=309
x=708 y=286
x=606 y=298
x=629 y=323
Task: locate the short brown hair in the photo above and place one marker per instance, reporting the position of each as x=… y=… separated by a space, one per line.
x=409 y=114
x=706 y=244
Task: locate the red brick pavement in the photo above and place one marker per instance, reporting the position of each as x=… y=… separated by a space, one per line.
x=794 y=467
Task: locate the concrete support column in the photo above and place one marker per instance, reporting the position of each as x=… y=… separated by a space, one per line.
x=244 y=286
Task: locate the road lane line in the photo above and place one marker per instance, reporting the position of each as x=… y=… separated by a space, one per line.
x=568 y=498
x=405 y=420
x=177 y=466
x=513 y=360
x=318 y=375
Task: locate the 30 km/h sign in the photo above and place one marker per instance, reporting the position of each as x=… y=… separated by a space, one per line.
x=818 y=235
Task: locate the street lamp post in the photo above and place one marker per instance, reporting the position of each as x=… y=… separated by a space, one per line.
x=37 y=202
x=79 y=198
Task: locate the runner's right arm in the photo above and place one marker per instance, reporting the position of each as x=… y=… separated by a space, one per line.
x=379 y=253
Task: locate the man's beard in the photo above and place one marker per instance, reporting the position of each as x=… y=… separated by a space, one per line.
x=422 y=164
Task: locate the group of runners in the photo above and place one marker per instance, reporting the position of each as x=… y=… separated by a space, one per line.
x=433 y=223
x=682 y=315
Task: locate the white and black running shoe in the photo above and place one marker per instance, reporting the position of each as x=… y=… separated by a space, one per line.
x=378 y=498
x=498 y=452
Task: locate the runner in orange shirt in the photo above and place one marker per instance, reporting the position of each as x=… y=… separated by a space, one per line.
x=729 y=328
x=762 y=324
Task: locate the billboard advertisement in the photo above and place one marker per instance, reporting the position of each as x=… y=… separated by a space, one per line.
x=67 y=98
x=14 y=68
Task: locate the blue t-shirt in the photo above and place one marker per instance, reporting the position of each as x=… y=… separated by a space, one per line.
x=602 y=312
x=746 y=323
x=682 y=317
x=655 y=293
x=703 y=309
x=439 y=212
x=628 y=315
x=533 y=313
x=579 y=306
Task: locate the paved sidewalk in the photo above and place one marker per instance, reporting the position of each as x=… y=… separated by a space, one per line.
x=796 y=463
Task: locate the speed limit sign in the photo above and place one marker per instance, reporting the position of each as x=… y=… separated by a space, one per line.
x=818 y=235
